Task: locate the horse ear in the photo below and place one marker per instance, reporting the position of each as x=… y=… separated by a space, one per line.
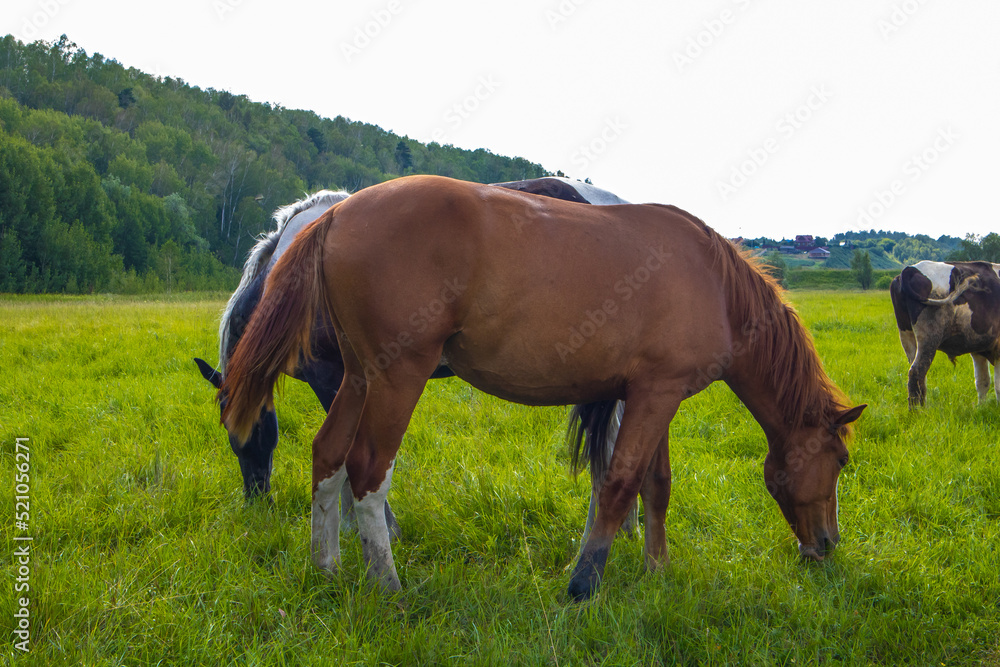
x=846 y=417
x=209 y=373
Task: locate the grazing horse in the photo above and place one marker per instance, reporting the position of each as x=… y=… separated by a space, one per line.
x=323 y=371
x=953 y=307
x=578 y=304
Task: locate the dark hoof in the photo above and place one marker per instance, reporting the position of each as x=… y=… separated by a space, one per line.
x=587 y=574
x=582 y=590
x=258 y=499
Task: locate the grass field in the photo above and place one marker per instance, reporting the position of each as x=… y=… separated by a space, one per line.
x=144 y=552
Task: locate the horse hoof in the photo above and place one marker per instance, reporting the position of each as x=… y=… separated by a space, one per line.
x=580 y=590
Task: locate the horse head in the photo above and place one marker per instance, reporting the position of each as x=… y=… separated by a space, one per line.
x=801 y=472
x=256 y=456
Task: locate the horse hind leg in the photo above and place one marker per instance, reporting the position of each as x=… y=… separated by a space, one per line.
x=330 y=449
x=349 y=521
x=388 y=407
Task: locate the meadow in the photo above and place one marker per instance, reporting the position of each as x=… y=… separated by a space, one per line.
x=144 y=551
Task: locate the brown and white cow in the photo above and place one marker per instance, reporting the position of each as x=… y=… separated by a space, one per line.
x=953 y=307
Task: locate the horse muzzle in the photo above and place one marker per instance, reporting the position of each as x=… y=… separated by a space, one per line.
x=822 y=546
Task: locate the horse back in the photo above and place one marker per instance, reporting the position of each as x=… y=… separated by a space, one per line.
x=529 y=289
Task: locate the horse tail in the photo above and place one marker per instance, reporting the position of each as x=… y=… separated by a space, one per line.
x=590 y=436
x=278 y=332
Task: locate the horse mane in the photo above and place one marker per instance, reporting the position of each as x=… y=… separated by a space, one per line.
x=781 y=347
x=260 y=256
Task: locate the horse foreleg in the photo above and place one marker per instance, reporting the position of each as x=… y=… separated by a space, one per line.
x=655 y=499
x=597 y=481
x=643 y=427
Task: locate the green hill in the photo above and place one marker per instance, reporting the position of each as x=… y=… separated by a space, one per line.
x=840 y=258
x=112 y=179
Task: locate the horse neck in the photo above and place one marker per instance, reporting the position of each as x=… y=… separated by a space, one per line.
x=760 y=398
x=775 y=372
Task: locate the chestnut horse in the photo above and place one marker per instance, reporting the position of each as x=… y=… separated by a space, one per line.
x=543 y=302
x=324 y=371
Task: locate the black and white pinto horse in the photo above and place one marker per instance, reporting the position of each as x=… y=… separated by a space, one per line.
x=325 y=371
x=953 y=307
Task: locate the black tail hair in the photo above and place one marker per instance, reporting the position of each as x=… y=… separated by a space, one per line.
x=587 y=436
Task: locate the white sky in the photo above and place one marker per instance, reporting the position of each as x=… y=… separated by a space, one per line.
x=889 y=106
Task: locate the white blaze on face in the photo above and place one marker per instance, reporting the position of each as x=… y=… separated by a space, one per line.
x=939 y=274
x=326 y=521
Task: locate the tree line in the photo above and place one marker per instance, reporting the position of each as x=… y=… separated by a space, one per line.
x=112 y=179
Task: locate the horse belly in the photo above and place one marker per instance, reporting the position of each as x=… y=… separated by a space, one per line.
x=537 y=370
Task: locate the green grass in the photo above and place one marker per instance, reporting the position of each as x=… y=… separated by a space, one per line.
x=831 y=279
x=144 y=552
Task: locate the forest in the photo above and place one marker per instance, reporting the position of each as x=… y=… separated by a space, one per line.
x=114 y=180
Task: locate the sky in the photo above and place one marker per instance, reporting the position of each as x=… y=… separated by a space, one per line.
x=762 y=117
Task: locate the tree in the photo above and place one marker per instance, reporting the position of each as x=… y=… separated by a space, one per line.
x=861 y=266
x=403 y=157
x=776 y=263
x=316 y=136
x=126 y=98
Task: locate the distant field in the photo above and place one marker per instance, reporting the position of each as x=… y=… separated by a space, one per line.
x=144 y=552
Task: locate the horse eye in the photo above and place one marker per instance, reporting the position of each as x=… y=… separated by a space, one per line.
x=843 y=461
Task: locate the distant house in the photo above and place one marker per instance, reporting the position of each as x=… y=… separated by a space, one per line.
x=804 y=242
x=819 y=253
x=788 y=249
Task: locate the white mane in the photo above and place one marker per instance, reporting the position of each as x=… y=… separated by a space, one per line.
x=261 y=255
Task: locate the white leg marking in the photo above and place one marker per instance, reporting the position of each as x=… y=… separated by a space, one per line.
x=347 y=508
x=326 y=521
x=982 y=368
x=374 y=533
